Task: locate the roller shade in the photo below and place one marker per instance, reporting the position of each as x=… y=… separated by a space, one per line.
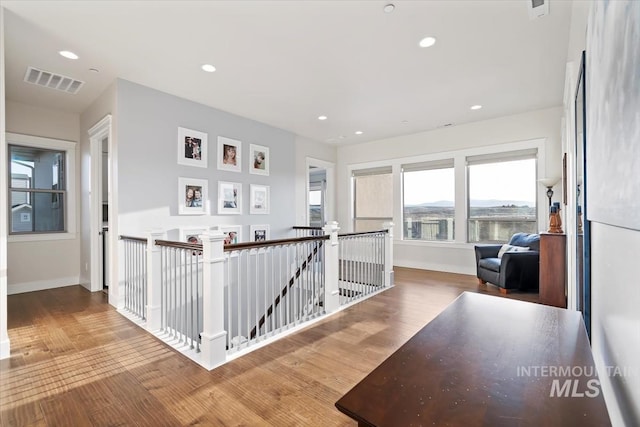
x=508 y=156
x=436 y=164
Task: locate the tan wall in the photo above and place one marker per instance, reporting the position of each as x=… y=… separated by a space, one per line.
x=46 y=263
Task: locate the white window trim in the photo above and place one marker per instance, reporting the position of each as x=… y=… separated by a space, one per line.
x=460 y=170
x=69 y=147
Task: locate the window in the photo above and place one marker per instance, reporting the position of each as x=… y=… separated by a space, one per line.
x=38 y=185
x=428 y=201
x=315 y=207
x=373 y=198
x=502 y=195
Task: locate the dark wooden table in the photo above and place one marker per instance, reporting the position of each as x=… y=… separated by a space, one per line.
x=486 y=361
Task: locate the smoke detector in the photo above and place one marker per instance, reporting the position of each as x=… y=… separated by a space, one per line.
x=538 y=8
x=52 y=80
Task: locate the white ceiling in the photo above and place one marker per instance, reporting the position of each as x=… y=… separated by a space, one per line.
x=284 y=63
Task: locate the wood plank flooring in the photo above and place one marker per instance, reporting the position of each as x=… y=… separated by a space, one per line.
x=76 y=362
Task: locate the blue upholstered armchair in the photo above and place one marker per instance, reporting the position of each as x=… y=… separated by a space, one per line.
x=511 y=266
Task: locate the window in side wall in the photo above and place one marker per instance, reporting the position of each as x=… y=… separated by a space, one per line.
x=373 y=198
x=39 y=185
x=501 y=195
x=429 y=201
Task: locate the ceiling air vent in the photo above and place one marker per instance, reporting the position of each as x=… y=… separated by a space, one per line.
x=52 y=80
x=538 y=8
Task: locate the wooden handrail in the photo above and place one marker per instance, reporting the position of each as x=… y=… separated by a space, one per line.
x=267 y=243
x=362 y=233
x=135 y=239
x=179 y=245
x=306 y=227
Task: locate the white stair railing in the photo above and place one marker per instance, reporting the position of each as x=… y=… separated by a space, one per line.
x=212 y=301
x=271 y=286
x=135 y=276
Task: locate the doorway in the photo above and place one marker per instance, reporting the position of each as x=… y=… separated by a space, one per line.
x=317 y=195
x=319 y=209
x=100 y=141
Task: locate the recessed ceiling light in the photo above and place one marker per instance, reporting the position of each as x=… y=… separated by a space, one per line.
x=358 y=132
x=427 y=42
x=94 y=70
x=389 y=8
x=322 y=117
x=476 y=107
x=68 y=54
x=404 y=122
x=208 y=68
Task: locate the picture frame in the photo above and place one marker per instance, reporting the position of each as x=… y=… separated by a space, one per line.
x=192 y=148
x=232 y=234
x=229 y=154
x=260 y=233
x=192 y=234
x=259 y=159
x=229 y=198
x=260 y=199
x=188 y=201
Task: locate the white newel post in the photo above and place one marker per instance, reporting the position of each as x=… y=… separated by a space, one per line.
x=331 y=268
x=388 y=254
x=154 y=280
x=214 y=337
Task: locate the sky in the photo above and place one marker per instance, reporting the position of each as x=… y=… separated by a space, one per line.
x=514 y=180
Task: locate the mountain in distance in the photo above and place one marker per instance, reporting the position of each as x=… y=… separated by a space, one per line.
x=477 y=203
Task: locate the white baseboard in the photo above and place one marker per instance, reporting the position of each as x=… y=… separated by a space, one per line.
x=40 y=285
x=459 y=269
x=5 y=349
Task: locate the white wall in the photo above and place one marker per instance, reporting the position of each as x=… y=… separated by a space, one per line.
x=305 y=149
x=4 y=336
x=615 y=317
x=453 y=257
x=43 y=264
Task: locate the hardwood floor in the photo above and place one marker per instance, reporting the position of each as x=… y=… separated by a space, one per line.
x=76 y=362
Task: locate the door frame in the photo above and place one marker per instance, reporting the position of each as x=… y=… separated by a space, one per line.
x=329 y=191
x=97 y=134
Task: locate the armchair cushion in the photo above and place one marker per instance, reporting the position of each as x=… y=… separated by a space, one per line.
x=511 y=248
x=492 y=264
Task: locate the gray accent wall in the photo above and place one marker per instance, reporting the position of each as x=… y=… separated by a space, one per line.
x=148 y=169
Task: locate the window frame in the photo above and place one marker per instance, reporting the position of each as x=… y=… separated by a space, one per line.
x=448 y=163
x=460 y=171
x=369 y=171
x=500 y=157
x=69 y=149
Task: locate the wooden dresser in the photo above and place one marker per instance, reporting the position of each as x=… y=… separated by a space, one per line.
x=553 y=269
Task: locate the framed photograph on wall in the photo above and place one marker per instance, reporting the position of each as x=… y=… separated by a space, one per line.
x=260 y=199
x=192 y=148
x=260 y=233
x=192 y=196
x=229 y=198
x=259 y=159
x=232 y=234
x=229 y=154
x=192 y=234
